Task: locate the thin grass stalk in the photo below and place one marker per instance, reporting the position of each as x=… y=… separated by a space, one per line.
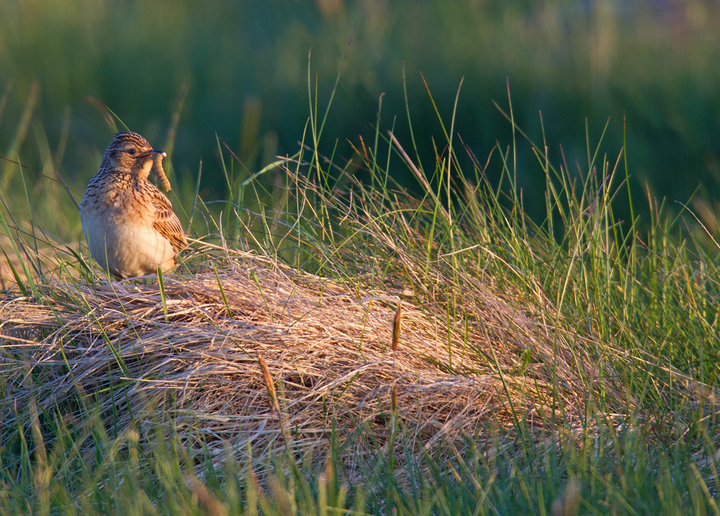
x=163 y=299
x=396 y=332
x=222 y=292
x=275 y=405
x=28 y=276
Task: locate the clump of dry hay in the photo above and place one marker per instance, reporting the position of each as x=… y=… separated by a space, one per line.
x=328 y=346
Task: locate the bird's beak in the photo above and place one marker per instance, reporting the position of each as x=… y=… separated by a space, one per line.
x=147 y=154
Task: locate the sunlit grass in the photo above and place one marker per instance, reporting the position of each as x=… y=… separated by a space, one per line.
x=601 y=339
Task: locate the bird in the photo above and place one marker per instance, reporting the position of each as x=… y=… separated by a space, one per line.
x=128 y=223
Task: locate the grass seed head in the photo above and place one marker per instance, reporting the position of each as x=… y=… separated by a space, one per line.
x=396 y=328
x=269 y=384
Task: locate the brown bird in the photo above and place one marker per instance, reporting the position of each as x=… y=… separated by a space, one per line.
x=129 y=224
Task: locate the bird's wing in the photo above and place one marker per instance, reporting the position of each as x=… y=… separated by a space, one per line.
x=166 y=222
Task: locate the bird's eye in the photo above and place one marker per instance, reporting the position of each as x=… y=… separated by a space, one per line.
x=130 y=151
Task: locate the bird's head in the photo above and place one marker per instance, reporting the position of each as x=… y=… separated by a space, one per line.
x=129 y=151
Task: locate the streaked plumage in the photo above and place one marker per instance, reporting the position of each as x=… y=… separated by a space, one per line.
x=126 y=218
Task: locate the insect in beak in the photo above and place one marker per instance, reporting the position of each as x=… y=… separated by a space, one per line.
x=159 y=171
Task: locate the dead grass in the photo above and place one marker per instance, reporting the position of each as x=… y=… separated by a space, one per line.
x=118 y=348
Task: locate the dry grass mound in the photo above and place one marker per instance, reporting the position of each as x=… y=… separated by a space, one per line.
x=191 y=351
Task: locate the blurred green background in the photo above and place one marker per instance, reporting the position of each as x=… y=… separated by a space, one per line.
x=244 y=66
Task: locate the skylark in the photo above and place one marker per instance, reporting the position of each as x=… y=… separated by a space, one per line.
x=129 y=224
